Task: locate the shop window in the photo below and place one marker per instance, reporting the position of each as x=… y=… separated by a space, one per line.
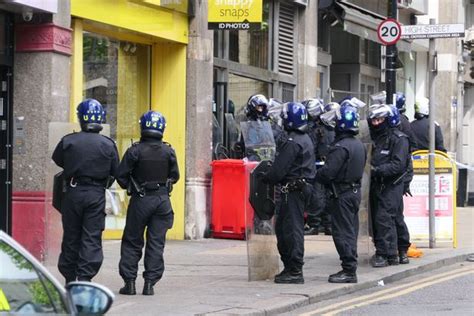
x=287 y=92
x=240 y=89
x=323 y=34
x=371 y=53
x=117 y=74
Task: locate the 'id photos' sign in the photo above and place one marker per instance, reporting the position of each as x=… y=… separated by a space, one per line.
x=234 y=14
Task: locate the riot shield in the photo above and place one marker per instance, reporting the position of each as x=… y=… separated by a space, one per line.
x=58 y=190
x=263 y=258
x=258 y=139
x=262 y=194
x=232 y=133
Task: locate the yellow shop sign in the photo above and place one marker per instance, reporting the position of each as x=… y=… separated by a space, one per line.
x=234 y=14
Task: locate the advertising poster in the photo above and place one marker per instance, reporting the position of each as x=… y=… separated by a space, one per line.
x=416 y=208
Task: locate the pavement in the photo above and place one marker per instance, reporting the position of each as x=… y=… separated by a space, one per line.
x=210 y=276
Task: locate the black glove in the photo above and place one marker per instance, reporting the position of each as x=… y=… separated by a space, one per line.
x=406 y=190
x=169 y=185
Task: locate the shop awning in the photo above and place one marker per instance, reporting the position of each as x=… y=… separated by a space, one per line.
x=362 y=23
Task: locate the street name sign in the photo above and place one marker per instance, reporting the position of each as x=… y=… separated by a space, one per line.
x=422 y=31
x=389 y=31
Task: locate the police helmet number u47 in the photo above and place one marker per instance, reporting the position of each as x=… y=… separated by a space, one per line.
x=90 y=111
x=153 y=120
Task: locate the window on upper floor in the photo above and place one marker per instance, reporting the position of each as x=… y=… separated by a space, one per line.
x=270 y=46
x=370 y=53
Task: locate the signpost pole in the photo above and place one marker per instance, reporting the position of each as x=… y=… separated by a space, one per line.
x=431 y=180
x=391 y=59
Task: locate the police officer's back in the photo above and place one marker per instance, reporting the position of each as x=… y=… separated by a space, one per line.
x=342 y=173
x=420 y=127
x=90 y=162
x=147 y=170
x=404 y=125
x=293 y=166
x=403 y=235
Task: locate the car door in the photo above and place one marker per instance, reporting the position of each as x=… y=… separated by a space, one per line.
x=25 y=288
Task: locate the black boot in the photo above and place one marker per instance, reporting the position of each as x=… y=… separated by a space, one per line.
x=291 y=277
x=311 y=230
x=378 y=261
x=393 y=260
x=148 y=288
x=283 y=272
x=84 y=279
x=69 y=280
x=128 y=288
x=327 y=231
x=343 y=277
x=402 y=255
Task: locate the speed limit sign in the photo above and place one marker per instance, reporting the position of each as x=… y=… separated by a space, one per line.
x=389 y=31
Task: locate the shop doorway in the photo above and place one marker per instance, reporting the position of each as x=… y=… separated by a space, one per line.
x=5 y=148
x=6 y=116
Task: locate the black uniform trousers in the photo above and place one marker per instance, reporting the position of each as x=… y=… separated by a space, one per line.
x=385 y=208
x=154 y=213
x=318 y=211
x=289 y=228
x=83 y=218
x=345 y=227
x=403 y=235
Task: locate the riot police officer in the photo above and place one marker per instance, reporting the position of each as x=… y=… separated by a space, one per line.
x=274 y=117
x=420 y=126
x=147 y=170
x=404 y=125
x=256 y=109
x=403 y=235
x=342 y=172
x=292 y=168
x=389 y=165
x=322 y=135
x=90 y=162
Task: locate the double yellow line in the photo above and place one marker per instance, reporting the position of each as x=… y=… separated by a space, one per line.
x=390 y=292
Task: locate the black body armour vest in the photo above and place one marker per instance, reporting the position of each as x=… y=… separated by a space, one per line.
x=153 y=163
x=354 y=168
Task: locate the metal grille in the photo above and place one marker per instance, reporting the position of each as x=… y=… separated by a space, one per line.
x=286 y=35
x=287 y=92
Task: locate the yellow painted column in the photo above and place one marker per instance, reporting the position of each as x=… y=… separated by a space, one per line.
x=76 y=68
x=168 y=95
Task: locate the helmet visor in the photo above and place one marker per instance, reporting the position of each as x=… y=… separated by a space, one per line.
x=379 y=97
x=329 y=118
x=379 y=111
x=274 y=110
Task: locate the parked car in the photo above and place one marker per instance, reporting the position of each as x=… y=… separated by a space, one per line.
x=26 y=287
